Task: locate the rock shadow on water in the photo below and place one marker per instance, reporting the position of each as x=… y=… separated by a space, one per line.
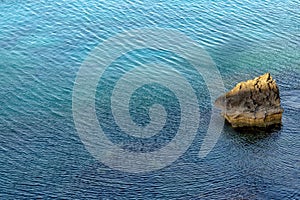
x=252 y=135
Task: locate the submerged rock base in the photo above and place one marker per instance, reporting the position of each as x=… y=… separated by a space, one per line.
x=254 y=103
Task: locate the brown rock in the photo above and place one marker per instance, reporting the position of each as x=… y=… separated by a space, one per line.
x=252 y=103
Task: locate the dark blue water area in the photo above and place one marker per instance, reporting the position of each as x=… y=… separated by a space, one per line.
x=43 y=45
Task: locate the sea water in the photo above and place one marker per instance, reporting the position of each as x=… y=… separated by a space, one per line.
x=43 y=45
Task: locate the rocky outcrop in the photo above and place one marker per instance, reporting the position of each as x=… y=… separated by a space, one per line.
x=252 y=103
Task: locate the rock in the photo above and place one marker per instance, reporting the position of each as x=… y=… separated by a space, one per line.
x=254 y=103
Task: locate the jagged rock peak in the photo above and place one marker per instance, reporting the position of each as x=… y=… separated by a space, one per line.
x=252 y=103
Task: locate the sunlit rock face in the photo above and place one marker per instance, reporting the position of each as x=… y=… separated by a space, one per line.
x=252 y=103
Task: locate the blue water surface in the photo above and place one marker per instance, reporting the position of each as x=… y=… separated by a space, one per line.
x=42 y=46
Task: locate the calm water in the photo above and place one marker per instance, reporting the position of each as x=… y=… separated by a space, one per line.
x=43 y=44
